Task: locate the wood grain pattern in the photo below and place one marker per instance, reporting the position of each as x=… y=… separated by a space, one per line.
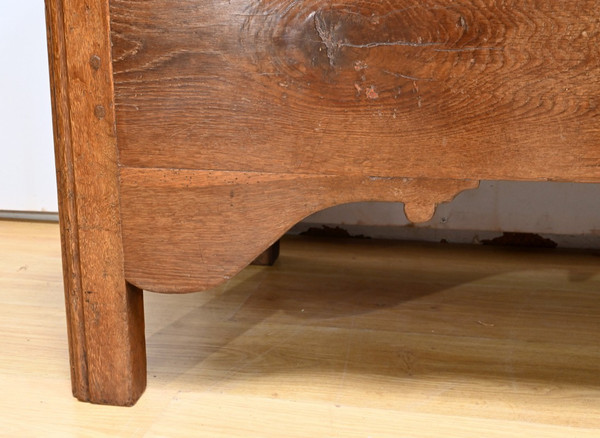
x=330 y=103
x=180 y=125
x=104 y=314
x=187 y=230
x=432 y=89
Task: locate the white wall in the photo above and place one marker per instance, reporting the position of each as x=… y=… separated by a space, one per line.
x=27 y=178
x=567 y=213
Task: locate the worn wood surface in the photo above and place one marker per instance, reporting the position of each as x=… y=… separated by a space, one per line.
x=342 y=338
x=334 y=102
x=188 y=230
x=499 y=89
x=319 y=97
x=225 y=113
x=104 y=314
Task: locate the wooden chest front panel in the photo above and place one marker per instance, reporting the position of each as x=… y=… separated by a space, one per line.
x=495 y=89
x=237 y=118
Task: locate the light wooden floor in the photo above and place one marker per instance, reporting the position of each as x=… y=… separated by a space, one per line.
x=339 y=339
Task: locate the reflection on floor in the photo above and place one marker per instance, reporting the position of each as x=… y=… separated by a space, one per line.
x=342 y=337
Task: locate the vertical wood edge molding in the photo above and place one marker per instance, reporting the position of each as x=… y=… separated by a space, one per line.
x=66 y=196
x=106 y=326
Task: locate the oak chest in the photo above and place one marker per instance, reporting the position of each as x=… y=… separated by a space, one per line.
x=191 y=134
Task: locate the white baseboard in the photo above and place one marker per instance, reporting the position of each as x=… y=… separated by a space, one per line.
x=41 y=216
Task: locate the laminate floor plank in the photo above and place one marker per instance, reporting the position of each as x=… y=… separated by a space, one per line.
x=341 y=338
